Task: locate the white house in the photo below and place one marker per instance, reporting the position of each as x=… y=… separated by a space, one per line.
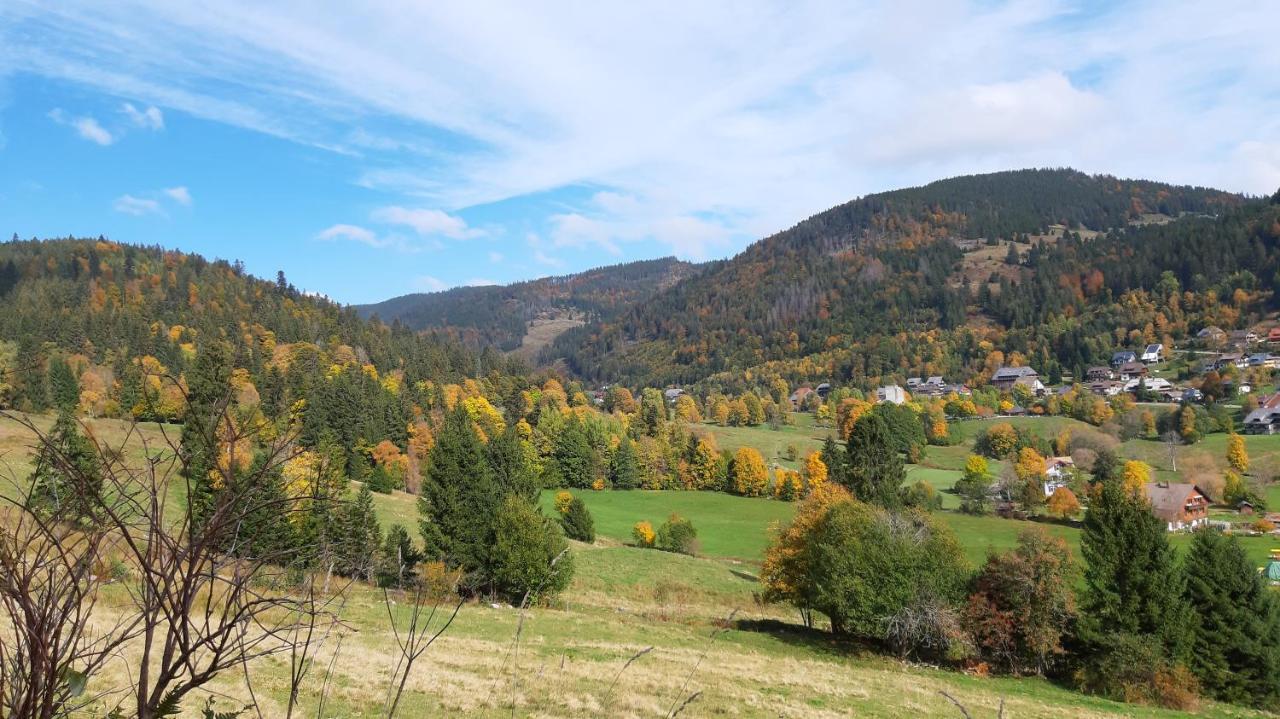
x=891 y=393
x=1153 y=353
x=1057 y=474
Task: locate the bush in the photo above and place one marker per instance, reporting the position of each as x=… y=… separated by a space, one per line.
x=577 y=522
x=562 y=502
x=921 y=495
x=1133 y=668
x=529 y=555
x=643 y=534
x=678 y=534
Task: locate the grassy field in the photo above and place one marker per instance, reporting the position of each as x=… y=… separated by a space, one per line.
x=728 y=526
x=625 y=599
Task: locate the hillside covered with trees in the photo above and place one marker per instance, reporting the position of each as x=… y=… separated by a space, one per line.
x=876 y=288
x=500 y=315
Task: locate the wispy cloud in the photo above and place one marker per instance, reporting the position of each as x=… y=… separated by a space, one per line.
x=86 y=127
x=137 y=206
x=150 y=119
x=746 y=117
x=425 y=222
x=427 y=283
x=353 y=233
x=180 y=195
x=495 y=257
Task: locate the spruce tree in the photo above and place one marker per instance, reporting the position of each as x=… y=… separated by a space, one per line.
x=510 y=465
x=208 y=386
x=67 y=478
x=577 y=522
x=265 y=531
x=833 y=457
x=624 y=467
x=359 y=537
x=1133 y=585
x=1236 y=647
x=873 y=470
x=399 y=557
x=460 y=498
x=64 y=388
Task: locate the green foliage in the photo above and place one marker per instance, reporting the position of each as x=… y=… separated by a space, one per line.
x=510 y=464
x=399 y=557
x=529 y=556
x=1235 y=651
x=460 y=497
x=869 y=564
x=624 y=468
x=1133 y=585
x=577 y=522
x=64 y=388
x=572 y=459
x=873 y=469
x=921 y=495
x=358 y=537
x=677 y=534
x=67 y=477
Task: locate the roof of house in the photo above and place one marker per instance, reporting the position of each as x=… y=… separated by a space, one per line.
x=1154 y=348
x=801 y=393
x=1169 y=499
x=1210 y=330
x=1133 y=367
x=1011 y=373
x=1122 y=354
x=1262 y=415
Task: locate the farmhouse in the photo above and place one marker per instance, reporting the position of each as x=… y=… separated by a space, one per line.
x=672 y=394
x=1099 y=374
x=1131 y=370
x=1263 y=420
x=1057 y=474
x=1273 y=335
x=799 y=396
x=1153 y=353
x=1243 y=338
x=1179 y=506
x=1006 y=377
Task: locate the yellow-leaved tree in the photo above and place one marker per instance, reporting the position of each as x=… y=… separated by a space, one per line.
x=750 y=476
x=1237 y=455
x=1135 y=476
x=1063 y=504
x=704 y=468
x=815 y=471
x=786 y=566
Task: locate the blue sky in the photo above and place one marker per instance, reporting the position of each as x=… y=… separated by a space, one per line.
x=380 y=148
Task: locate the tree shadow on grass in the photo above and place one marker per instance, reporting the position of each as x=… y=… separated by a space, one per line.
x=745 y=575
x=810 y=638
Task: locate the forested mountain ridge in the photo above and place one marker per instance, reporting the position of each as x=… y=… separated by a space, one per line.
x=116 y=330
x=873 y=288
x=500 y=315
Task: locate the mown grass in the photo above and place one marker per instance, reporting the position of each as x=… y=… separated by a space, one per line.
x=728 y=526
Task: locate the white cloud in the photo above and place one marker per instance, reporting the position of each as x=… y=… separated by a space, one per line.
x=480 y=282
x=86 y=127
x=353 y=233
x=425 y=222
x=543 y=258
x=150 y=119
x=180 y=195
x=495 y=257
x=705 y=125
x=137 y=206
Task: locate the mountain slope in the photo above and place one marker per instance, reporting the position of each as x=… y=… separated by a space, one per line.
x=501 y=315
x=129 y=321
x=851 y=293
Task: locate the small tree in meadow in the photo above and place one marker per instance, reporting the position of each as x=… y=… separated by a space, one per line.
x=643 y=534
x=577 y=522
x=677 y=534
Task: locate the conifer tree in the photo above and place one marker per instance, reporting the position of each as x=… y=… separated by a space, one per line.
x=873 y=470
x=510 y=465
x=68 y=472
x=460 y=498
x=624 y=467
x=208 y=385
x=1235 y=651
x=1133 y=585
x=63 y=386
x=577 y=522
x=529 y=557
x=359 y=537
x=833 y=457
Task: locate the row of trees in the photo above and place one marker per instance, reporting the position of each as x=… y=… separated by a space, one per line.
x=1143 y=627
